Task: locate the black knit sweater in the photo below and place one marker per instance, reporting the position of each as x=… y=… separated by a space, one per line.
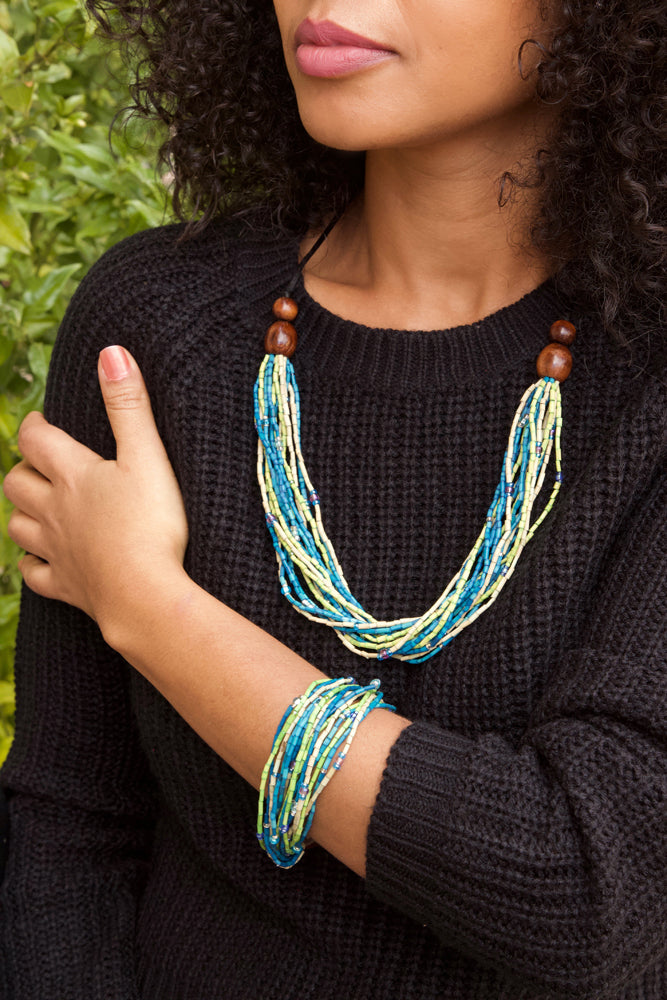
x=518 y=846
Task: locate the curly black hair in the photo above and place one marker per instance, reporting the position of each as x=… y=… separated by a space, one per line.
x=212 y=71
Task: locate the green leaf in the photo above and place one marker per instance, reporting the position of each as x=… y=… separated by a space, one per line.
x=51 y=287
x=6 y=693
x=33 y=328
x=9 y=607
x=61 y=9
x=39 y=356
x=77 y=102
x=93 y=176
x=9 y=51
x=32 y=400
x=14 y=232
x=6 y=349
x=5 y=746
x=53 y=74
x=34 y=205
x=151 y=214
x=8 y=422
x=98 y=225
x=17 y=96
x=84 y=152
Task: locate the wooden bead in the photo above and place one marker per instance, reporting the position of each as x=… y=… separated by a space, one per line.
x=284 y=308
x=280 y=339
x=554 y=361
x=563 y=332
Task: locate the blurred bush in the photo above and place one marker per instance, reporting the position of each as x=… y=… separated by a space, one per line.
x=65 y=196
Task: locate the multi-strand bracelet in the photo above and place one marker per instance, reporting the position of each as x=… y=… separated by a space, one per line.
x=309 y=747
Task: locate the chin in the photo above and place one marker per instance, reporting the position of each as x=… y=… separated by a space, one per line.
x=342 y=132
x=332 y=132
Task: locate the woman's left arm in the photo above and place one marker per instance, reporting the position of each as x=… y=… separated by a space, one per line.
x=109 y=537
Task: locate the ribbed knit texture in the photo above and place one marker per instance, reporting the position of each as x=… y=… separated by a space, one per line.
x=518 y=847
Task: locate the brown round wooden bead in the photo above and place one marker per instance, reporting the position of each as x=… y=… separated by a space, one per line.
x=563 y=332
x=280 y=339
x=554 y=361
x=284 y=308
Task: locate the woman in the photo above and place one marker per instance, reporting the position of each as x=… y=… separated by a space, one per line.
x=502 y=832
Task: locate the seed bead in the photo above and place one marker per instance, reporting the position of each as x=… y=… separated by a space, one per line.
x=285 y=308
x=563 y=332
x=280 y=339
x=554 y=361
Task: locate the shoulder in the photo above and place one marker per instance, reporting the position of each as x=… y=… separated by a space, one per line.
x=162 y=268
x=647 y=379
x=158 y=287
x=170 y=301
x=619 y=393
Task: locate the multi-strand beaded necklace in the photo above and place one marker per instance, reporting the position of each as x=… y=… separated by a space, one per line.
x=310 y=575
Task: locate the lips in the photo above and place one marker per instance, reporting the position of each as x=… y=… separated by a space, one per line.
x=325 y=49
x=327 y=33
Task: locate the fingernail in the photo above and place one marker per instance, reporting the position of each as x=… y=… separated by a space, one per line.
x=115 y=363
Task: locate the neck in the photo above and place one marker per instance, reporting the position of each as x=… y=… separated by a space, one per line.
x=427 y=246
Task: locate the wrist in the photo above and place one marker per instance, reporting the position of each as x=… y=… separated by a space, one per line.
x=131 y=621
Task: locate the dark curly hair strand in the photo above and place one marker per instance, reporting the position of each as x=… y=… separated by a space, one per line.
x=235 y=140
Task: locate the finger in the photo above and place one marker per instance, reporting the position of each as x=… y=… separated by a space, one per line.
x=48 y=449
x=27 y=489
x=128 y=407
x=27 y=533
x=37 y=575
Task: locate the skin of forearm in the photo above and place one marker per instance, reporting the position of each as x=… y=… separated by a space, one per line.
x=231 y=681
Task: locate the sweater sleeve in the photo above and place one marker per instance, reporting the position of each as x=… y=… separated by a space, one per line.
x=79 y=789
x=548 y=860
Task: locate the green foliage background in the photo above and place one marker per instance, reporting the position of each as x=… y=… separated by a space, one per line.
x=65 y=197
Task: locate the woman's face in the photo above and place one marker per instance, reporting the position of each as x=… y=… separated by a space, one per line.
x=430 y=70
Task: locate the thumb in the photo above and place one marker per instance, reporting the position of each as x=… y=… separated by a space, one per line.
x=128 y=405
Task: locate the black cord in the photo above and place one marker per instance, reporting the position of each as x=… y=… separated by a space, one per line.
x=315 y=247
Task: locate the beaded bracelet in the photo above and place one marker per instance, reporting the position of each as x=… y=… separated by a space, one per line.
x=310 y=745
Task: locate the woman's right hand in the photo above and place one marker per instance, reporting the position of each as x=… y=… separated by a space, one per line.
x=96 y=530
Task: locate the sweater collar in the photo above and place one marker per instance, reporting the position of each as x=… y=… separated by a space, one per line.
x=337 y=349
